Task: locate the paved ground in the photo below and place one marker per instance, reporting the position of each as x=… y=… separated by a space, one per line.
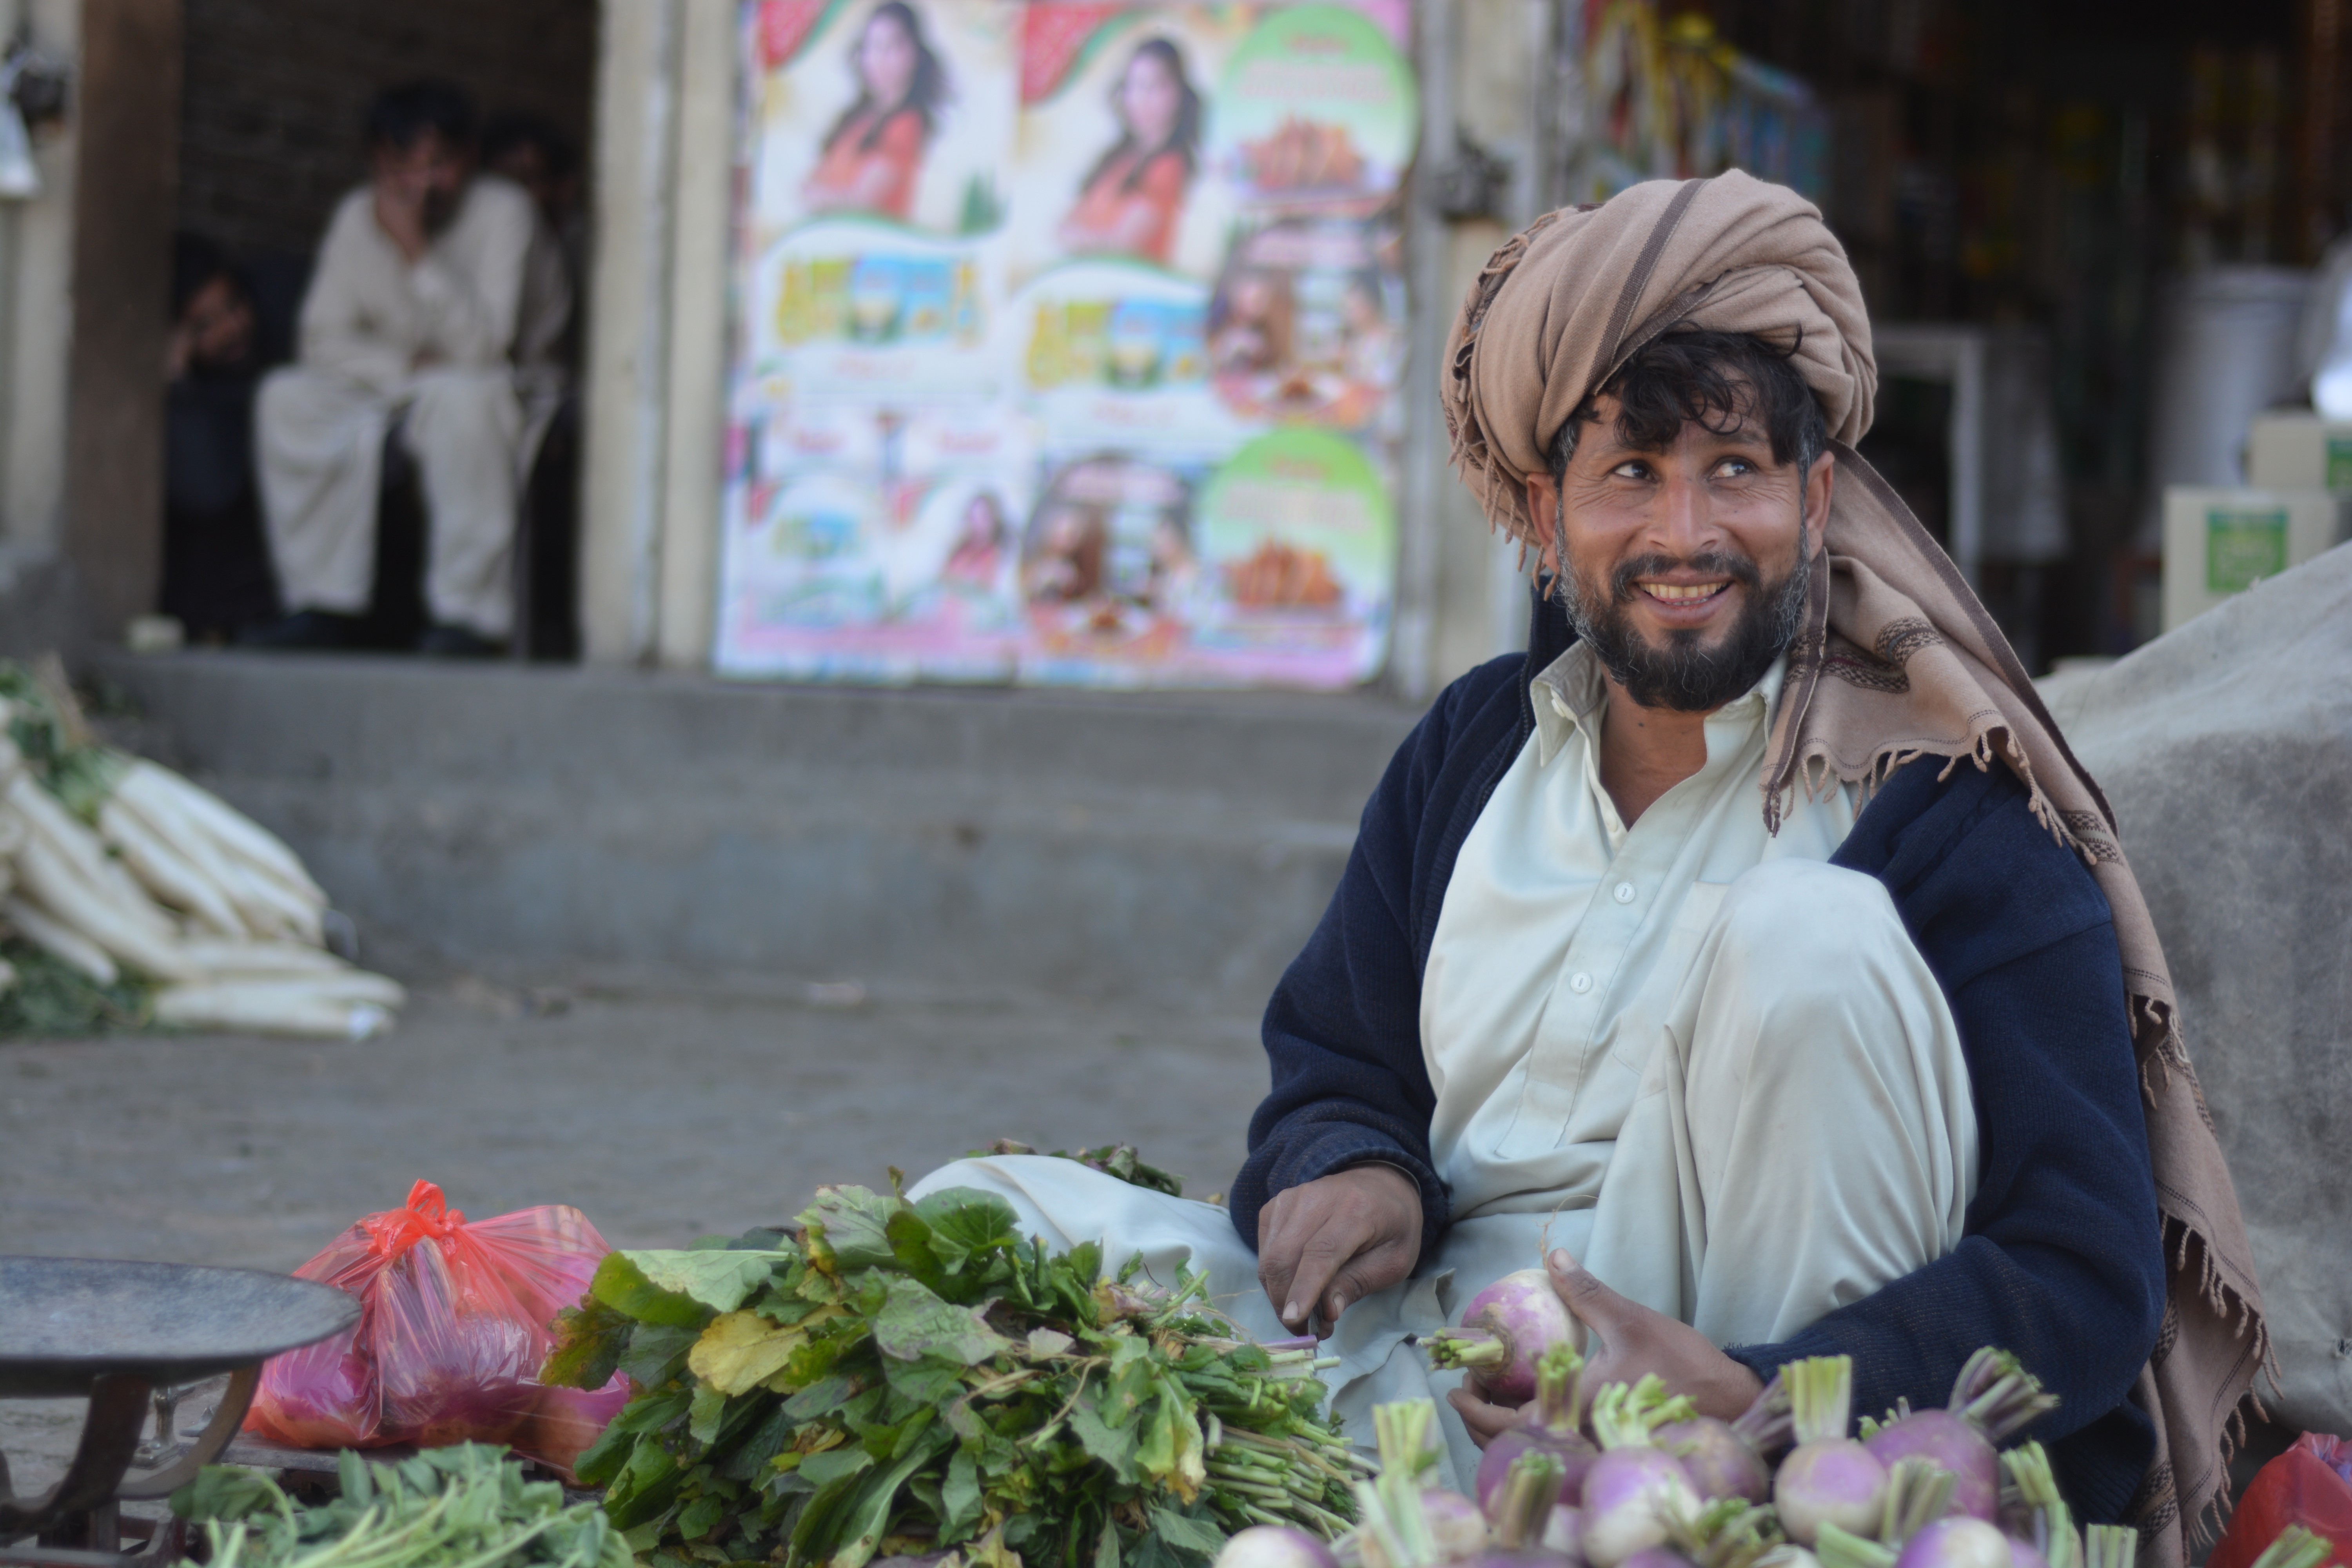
x=662 y=1117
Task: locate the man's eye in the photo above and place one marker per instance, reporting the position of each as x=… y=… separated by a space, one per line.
x=1735 y=468
x=1634 y=471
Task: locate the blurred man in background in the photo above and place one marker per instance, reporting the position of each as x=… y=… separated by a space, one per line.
x=215 y=567
x=435 y=315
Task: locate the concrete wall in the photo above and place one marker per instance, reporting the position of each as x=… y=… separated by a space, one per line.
x=512 y=820
x=270 y=124
x=36 y=298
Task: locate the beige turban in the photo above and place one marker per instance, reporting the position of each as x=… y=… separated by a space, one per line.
x=1897 y=661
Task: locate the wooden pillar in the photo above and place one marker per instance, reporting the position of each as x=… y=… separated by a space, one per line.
x=2319 y=188
x=127 y=99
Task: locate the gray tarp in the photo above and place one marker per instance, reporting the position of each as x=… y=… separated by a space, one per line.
x=2226 y=749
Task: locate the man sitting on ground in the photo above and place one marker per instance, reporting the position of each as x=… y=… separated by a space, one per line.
x=1752 y=952
x=436 y=307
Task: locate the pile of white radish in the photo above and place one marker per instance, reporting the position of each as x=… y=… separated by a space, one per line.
x=173 y=887
x=1639 y=1481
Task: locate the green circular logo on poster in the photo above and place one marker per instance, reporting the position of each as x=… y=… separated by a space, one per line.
x=1299 y=519
x=1316 y=103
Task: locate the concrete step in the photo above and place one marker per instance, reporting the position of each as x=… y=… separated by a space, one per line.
x=1162 y=845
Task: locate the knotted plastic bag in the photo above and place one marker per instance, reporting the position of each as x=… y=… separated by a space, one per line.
x=456 y=1320
x=2309 y=1485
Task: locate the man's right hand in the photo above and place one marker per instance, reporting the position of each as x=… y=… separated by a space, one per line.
x=400 y=213
x=1335 y=1240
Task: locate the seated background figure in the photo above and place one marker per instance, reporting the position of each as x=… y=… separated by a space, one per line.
x=216 y=568
x=436 y=310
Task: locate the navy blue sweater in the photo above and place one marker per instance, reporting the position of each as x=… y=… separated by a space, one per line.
x=2060 y=1261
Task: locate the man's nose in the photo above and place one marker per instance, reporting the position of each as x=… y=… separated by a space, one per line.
x=1682 y=518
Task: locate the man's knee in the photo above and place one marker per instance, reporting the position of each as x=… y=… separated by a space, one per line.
x=1807 y=918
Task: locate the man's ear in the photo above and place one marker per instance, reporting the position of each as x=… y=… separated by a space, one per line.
x=1543 y=501
x=1821 y=482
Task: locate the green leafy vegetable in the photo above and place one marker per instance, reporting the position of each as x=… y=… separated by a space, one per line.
x=1119 y=1160
x=914 y=1378
x=462 y=1507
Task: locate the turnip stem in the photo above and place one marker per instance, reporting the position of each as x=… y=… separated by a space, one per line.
x=2118 y=1546
x=1522 y=1506
x=1465 y=1347
x=1560 y=1388
x=1840 y=1549
x=1919 y=1492
x=1821 y=1396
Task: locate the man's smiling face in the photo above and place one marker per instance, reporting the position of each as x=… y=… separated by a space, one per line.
x=1686 y=561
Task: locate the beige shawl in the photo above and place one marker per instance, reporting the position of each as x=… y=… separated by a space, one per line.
x=1898 y=661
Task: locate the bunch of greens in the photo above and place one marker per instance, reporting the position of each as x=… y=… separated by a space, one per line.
x=914 y=1378
x=50 y=999
x=462 y=1507
x=1120 y=1160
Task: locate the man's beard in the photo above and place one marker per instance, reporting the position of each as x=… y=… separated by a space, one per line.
x=1685 y=675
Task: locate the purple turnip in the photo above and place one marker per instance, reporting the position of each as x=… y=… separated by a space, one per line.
x=1274 y=1546
x=1635 y=1492
x=1829 y=1479
x=1729 y=1458
x=1559 y=1379
x=1657 y=1557
x=1957 y=1541
x=1455 y=1526
x=1993 y=1397
x=1506 y=1327
x=2026 y=1554
x=1564 y=1532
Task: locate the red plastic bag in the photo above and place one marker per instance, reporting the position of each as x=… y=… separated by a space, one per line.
x=455 y=1322
x=2309 y=1485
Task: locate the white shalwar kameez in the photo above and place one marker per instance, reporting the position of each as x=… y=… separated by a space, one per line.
x=460 y=348
x=1707 y=1062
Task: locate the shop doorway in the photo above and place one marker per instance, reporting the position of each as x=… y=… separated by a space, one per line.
x=269 y=139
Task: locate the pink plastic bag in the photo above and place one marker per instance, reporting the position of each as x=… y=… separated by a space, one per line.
x=455 y=1322
x=2309 y=1485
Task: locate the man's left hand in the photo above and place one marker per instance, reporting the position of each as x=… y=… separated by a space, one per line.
x=1625 y=1341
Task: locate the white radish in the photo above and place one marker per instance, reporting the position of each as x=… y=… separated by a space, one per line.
x=55 y=884
x=79 y=854
x=145 y=781
x=59 y=941
x=259 y=958
x=269 y=1009
x=166 y=873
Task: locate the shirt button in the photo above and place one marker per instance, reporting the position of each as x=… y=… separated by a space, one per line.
x=1580 y=982
x=1625 y=892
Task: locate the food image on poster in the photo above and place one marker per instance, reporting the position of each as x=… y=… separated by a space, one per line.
x=1116 y=353
x=1297 y=544
x=1316 y=107
x=1107 y=567
x=854 y=308
x=1308 y=323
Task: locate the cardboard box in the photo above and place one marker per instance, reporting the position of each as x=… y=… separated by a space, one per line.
x=2298 y=451
x=2220 y=542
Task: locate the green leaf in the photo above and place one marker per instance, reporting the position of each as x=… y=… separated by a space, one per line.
x=848 y=1227
x=720 y=1280
x=658 y=1353
x=1106 y=1546
x=624 y=1286
x=702 y=1418
x=590 y=1343
x=914 y=1323
x=700 y=1516
x=871 y=1517
x=969 y=1226
x=1114 y=1446
x=960 y=1499
x=647 y=1485
x=1186 y=1534
x=834 y=1464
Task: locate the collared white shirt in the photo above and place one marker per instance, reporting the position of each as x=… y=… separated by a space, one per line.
x=1565 y=933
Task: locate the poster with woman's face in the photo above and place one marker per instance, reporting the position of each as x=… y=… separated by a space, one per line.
x=896 y=109
x=1112 y=145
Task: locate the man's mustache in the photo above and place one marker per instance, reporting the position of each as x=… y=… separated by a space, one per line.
x=1707 y=563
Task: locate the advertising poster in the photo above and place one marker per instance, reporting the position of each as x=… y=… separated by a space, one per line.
x=1069 y=342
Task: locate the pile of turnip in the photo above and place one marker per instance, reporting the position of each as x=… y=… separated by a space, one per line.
x=118 y=869
x=1637 y=1479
